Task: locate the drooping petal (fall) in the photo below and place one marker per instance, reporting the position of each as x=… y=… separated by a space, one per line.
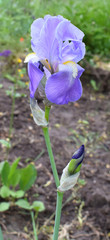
x=62 y=88
x=35 y=75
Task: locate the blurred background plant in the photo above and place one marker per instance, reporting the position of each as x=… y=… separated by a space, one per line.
x=14 y=184
x=92 y=17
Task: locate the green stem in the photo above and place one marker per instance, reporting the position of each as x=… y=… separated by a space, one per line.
x=55 y=174
x=11 y=117
x=49 y=149
x=12 y=111
x=34 y=226
x=58 y=215
x=47 y=111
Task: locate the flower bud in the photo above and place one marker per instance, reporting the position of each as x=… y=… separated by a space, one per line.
x=72 y=171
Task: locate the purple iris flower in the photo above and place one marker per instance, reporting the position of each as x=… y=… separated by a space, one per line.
x=5 y=53
x=58 y=47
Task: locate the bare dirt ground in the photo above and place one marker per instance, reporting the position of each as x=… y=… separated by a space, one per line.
x=86 y=208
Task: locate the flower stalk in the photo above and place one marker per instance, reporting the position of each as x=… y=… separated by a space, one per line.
x=58 y=215
x=34 y=227
x=49 y=149
x=55 y=174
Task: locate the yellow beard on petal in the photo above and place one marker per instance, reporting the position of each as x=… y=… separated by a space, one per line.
x=29 y=57
x=74 y=67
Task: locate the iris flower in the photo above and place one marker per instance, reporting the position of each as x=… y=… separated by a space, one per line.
x=5 y=53
x=57 y=48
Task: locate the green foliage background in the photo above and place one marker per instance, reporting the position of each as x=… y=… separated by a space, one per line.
x=92 y=17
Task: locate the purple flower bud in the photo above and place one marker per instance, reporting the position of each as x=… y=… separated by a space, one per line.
x=71 y=172
x=79 y=155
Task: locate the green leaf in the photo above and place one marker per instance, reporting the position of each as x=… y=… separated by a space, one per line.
x=14 y=175
x=93 y=84
x=23 y=204
x=4 y=192
x=10 y=77
x=38 y=206
x=4 y=206
x=1 y=85
x=14 y=165
x=21 y=84
x=15 y=178
x=5 y=143
x=5 y=173
x=1 y=235
x=1 y=166
x=28 y=177
x=82 y=181
x=17 y=194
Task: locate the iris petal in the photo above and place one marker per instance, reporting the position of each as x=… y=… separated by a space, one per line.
x=62 y=88
x=35 y=75
x=67 y=31
x=79 y=152
x=43 y=44
x=73 y=51
x=36 y=28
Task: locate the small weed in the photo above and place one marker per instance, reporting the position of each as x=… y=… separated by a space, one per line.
x=94 y=85
x=15 y=182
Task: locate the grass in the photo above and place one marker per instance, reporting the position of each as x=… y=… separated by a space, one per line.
x=92 y=17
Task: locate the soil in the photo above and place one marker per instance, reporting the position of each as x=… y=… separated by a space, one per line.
x=86 y=208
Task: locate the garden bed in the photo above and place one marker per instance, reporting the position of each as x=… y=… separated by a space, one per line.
x=86 y=208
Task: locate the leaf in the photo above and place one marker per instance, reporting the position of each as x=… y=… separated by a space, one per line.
x=28 y=177
x=17 y=95
x=83 y=121
x=21 y=84
x=17 y=194
x=5 y=143
x=9 y=77
x=93 y=84
x=1 y=235
x=4 y=192
x=38 y=206
x=1 y=166
x=14 y=175
x=4 y=206
x=15 y=178
x=5 y=173
x=23 y=204
x=14 y=165
x=81 y=181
